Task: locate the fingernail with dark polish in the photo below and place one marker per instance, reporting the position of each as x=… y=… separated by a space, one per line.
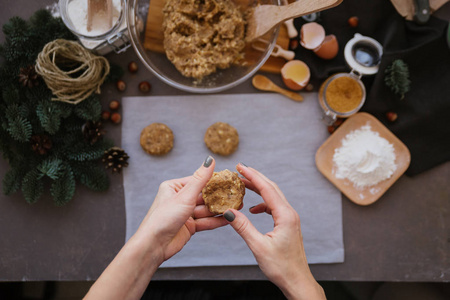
x=243 y=164
x=252 y=207
x=229 y=216
x=208 y=161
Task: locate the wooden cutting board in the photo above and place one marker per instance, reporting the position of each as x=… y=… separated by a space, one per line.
x=154 y=37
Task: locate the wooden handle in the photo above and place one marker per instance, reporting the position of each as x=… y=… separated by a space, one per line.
x=266 y=17
x=300 y=8
x=291 y=95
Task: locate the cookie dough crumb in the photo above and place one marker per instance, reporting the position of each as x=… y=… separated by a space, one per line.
x=223 y=191
x=157 y=139
x=222 y=138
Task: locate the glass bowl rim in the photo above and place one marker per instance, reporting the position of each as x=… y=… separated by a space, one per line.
x=139 y=50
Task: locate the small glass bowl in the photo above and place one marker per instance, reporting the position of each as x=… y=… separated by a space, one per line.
x=159 y=64
x=331 y=115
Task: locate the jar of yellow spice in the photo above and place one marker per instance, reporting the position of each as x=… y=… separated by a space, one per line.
x=343 y=94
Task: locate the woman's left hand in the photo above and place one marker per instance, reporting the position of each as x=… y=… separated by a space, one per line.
x=178 y=212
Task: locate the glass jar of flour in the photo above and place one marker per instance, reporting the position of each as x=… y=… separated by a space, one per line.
x=102 y=34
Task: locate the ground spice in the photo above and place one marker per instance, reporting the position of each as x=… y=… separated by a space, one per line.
x=343 y=94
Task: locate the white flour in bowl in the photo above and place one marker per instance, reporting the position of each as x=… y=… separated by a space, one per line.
x=364 y=158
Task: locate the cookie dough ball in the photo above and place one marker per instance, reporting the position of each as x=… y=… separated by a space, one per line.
x=157 y=139
x=223 y=191
x=222 y=138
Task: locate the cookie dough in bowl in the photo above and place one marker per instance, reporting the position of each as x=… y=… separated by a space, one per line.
x=223 y=191
x=202 y=36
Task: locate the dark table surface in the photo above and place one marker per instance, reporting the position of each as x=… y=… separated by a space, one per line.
x=404 y=236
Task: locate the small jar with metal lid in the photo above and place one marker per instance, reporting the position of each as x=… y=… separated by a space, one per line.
x=343 y=94
x=102 y=40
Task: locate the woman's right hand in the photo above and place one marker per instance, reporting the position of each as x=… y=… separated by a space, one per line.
x=280 y=253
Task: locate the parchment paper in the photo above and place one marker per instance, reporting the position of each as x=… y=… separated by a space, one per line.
x=278 y=136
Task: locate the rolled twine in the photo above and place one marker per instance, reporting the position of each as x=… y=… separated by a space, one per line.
x=72 y=85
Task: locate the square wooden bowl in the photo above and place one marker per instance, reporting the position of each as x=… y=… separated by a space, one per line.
x=368 y=195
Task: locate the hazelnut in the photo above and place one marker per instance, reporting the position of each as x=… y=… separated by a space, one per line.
x=133 y=67
x=331 y=129
x=338 y=122
x=353 y=21
x=114 y=105
x=121 y=85
x=145 y=86
x=106 y=115
x=116 y=118
x=391 y=116
x=293 y=44
x=309 y=87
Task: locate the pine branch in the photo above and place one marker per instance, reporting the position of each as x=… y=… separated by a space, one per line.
x=87 y=152
x=32 y=186
x=63 y=189
x=397 y=77
x=12 y=181
x=90 y=109
x=49 y=116
x=52 y=167
x=93 y=177
x=20 y=129
x=10 y=95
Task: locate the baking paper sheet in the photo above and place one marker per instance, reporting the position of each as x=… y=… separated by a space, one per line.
x=279 y=137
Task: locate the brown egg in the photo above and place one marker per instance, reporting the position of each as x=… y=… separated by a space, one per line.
x=295 y=74
x=312 y=35
x=329 y=47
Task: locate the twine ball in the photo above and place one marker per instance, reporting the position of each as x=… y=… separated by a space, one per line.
x=71 y=71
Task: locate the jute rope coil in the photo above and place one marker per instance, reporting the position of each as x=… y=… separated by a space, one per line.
x=85 y=72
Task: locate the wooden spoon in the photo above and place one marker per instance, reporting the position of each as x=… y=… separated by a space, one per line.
x=265 y=84
x=265 y=17
x=99 y=15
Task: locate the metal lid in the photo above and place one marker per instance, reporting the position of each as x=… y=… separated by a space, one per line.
x=363 y=54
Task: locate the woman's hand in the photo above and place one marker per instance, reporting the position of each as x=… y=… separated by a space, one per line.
x=178 y=212
x=279 y=253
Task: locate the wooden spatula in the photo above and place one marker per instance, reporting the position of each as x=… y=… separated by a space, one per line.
x=265 y=17
x=99 y=15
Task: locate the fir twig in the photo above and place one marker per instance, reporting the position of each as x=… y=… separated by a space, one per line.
x=397 y=77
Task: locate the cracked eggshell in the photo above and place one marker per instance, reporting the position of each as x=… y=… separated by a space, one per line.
x=312 y=35
x=329 y=47
x=295 y=74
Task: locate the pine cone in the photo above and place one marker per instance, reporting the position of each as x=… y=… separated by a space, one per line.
x=41 y=144
x=116 y=159
x=92 y=131
x=28 y=77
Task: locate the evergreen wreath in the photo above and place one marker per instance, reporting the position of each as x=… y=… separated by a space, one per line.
x=43 y=140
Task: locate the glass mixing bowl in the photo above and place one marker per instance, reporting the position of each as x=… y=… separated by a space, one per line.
x=139 y=26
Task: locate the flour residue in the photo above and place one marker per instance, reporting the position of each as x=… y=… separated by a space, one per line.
x=364 y=158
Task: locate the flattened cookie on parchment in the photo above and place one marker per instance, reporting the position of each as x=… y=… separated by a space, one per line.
x=222 y=138
x=223 y=191
x=157 y=139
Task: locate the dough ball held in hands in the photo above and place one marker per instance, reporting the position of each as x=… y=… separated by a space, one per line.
x=223 y=191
